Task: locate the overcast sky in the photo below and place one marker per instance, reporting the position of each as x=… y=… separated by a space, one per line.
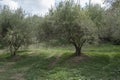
x=38 y=6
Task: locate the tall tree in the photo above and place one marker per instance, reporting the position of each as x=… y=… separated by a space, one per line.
x=112 y=21
x=71 y=24
x=15 y=30
x=5 y=17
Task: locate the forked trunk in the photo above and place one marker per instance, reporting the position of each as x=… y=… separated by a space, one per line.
x=14 y=54
x=78 y=47
x=78 y=51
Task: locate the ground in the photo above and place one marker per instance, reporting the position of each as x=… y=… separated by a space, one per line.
x=100 y=62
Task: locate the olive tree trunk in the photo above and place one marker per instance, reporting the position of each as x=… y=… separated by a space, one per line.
x=78 y=51
x=78 y=48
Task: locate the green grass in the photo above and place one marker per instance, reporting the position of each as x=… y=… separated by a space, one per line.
x=102 y=63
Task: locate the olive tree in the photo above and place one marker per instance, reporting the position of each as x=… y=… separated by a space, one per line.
x=5 y=15
x=16 y=30
x=112 y=21
x=71 y=24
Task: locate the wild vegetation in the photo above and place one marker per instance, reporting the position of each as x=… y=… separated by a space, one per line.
x=68 y=43
x=57 y=63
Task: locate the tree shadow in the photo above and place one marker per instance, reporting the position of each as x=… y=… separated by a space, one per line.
x=36 y=67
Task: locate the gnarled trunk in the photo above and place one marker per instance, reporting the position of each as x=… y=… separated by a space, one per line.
x=78 y=51
x=13 y=53
x=78 y=47
x=13 y=50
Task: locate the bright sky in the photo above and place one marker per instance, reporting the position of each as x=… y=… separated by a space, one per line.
x=38 y=6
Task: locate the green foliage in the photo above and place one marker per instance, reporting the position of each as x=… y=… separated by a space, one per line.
x=14 y=29
x=5 y=17
x=46 y=30
x=34 y=23
x=67 y=23
x=96 y=14
x=111 y=29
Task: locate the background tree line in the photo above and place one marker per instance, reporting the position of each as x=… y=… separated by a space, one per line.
x=67 y=23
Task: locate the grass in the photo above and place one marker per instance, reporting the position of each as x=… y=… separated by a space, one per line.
x=102 y=63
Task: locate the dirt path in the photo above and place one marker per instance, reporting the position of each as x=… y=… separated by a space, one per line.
x=5 y=67
x=13 y=74
x=18 y=76
x=53 y=63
